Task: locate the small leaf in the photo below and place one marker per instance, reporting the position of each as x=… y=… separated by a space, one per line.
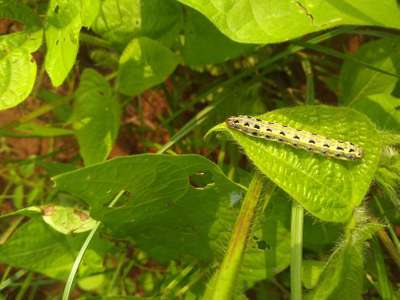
x=67 y=220
x=96 y=117
x=311 y=271
x=144 y=64
x=62 y=38
x=329 y=189
x=277 y=21
x=17 y=66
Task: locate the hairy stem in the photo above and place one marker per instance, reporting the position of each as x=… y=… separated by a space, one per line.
x=229 y=269
x=296 y=246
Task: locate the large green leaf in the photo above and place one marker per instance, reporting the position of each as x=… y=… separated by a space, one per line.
x=35 y=246
x=96 y=117
x=205 y=44
x=62 y=38
x=17 y=66
x=173 y=206
x=143 y=64
x=328 y=188
x=277 y=21
x=120 y=21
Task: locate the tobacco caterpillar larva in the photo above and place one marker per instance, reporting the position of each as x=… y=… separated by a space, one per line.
x=297 y=138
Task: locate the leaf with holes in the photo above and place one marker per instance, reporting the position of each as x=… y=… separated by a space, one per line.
x=173 y=206
x=330 y=189
x=278 y=21
x=62 y=38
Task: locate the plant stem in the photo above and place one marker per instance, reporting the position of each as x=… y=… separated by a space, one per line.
x=94 y=40
x=296 y=246
x=229 y=269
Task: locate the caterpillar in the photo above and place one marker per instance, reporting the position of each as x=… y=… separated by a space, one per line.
x=297 y=138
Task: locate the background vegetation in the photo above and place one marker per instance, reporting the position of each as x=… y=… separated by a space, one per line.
x=110 y=190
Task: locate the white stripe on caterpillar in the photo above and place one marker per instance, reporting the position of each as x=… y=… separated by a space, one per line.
x=295 y=137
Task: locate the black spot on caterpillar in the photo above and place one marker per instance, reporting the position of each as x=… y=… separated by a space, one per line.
x=297 y=138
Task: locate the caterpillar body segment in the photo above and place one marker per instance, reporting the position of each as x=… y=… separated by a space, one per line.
x=297 y=138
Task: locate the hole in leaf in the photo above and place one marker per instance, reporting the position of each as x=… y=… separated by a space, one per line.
x=263 y=245
x=201 y=179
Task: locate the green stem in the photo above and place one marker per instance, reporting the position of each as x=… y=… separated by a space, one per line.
x=229 y=269
x=94 y=40
x=82 y=251
x=296 y=246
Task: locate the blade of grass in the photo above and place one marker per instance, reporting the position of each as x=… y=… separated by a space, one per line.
x=296 y=246
x=82 y=251
x=384 y=287
x=392 y=233
x=344 y=56
x=229 y=269
x=308 y=72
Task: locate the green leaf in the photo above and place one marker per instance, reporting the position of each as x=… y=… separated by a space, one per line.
x=166 y=210
x=205 y=44
x=329 y=189
x=383 y=109
x=144 y=64
x=120 y=21
x=342 y=277
x=67 y=220
x=277 y=21
x=357 y=82
x=89 y=11
x=311 y=271
x=64 y=219
x=96 y=117
x=37 y=247
x=62 y=38
x=17 y=66
x=20 y=12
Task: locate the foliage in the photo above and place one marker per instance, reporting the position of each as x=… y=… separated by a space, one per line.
x=106 y=169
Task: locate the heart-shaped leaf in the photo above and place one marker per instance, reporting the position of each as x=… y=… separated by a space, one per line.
x=326 y=187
